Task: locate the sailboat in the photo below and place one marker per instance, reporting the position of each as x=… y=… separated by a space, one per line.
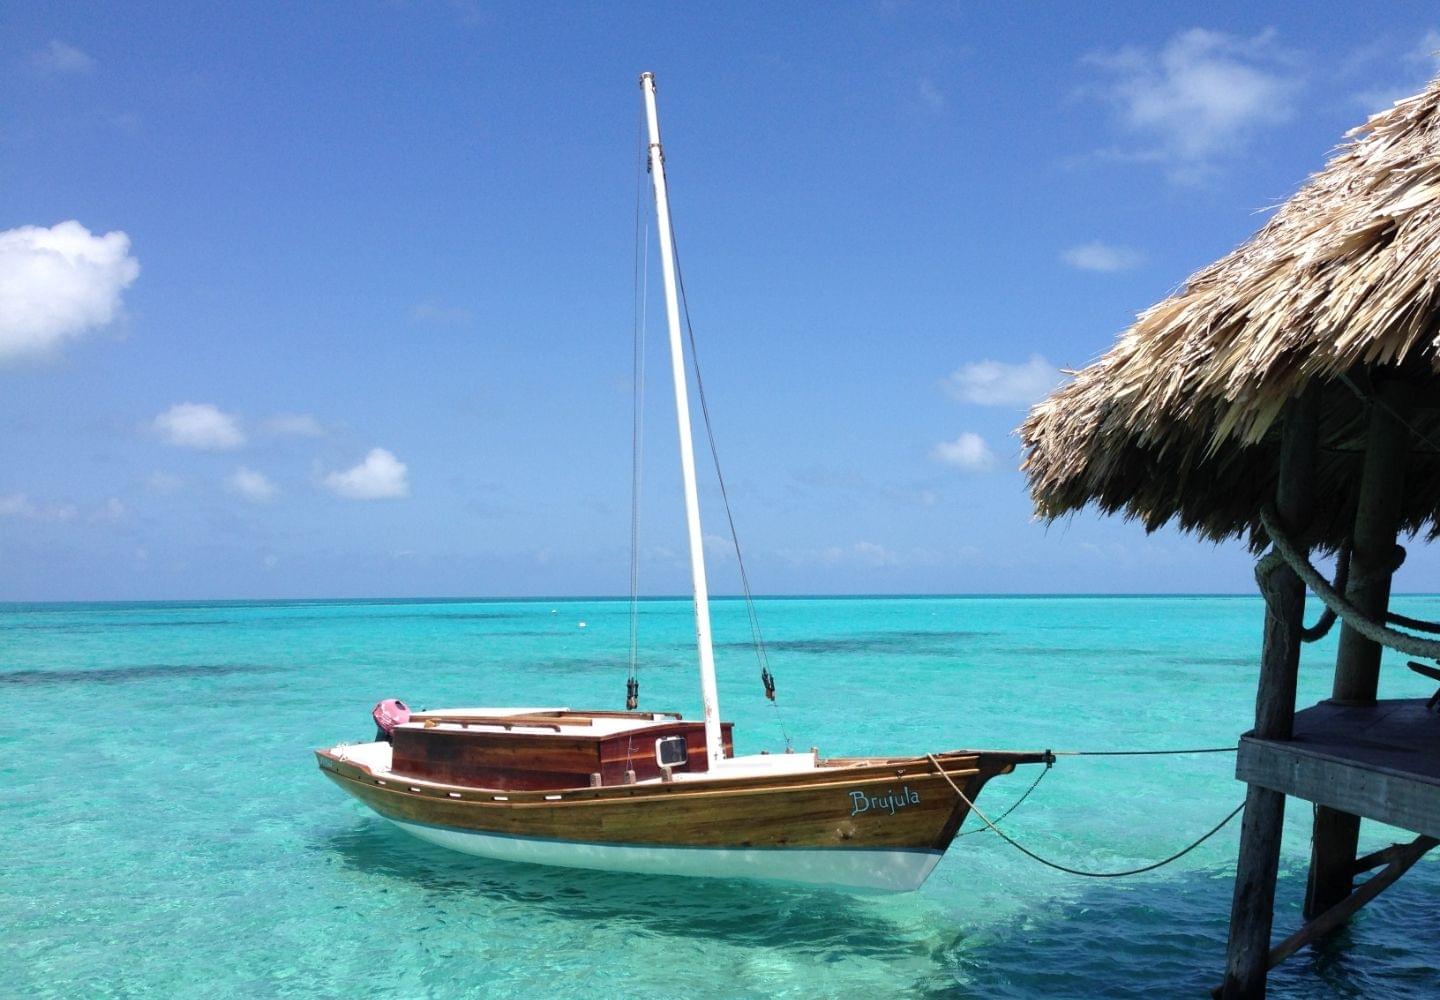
x=655 y=792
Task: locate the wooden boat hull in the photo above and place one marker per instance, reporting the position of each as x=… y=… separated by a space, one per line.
x=867 y=869
x=862 y=824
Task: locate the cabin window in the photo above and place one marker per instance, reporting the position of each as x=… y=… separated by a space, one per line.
x=670 y=751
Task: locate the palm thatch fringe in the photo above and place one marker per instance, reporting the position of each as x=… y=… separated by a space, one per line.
x=1178 y=421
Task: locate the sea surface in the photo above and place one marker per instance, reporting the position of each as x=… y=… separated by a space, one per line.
x=164 y=831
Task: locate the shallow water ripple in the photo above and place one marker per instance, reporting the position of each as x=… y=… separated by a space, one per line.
x=175 y=839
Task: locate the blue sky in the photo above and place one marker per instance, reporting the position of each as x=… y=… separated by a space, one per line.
x=363 y=327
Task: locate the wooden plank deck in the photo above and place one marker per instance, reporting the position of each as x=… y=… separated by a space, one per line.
x=1378 y=761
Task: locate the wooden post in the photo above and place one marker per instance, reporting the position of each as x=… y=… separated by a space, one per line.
x=1252 y=908
x=1357 y=664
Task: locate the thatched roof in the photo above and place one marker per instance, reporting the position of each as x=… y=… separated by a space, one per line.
x=1178 y=422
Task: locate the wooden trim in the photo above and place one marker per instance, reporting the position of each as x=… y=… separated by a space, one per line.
x=811 y=809
x=509 y=721
x=895 y=769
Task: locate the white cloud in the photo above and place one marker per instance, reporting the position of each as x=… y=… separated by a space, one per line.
x=58 y=283
x=60 y=59
x=968 y=452
x=293 y=425
x=200 y=425
x=1200 y=96
x=381 y=476
x=858 y=554
x=111 y=510
x=1104 y=257
x=995 y=383
x=253 y=486
x=718 y=548
x=875 y=555
x=18 y=505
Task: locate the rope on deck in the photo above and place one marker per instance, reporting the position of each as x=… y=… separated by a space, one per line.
x=1065 y=868
x=1352 y=616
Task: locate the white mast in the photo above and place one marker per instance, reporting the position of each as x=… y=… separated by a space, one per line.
x=714 y=744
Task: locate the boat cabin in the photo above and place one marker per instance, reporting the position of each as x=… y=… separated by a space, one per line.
x=549 y=748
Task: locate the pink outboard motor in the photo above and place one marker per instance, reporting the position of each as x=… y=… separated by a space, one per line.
x=387 y=715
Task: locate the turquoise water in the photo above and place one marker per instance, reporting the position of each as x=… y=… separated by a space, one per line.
x=164 y=831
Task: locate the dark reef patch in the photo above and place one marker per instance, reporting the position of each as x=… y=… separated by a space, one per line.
x=124 y=675
x=869 y=642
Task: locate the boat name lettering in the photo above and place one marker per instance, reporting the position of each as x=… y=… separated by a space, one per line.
x=863 y=802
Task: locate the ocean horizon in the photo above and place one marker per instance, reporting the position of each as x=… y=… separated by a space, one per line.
x=178 y=840
x=647 y=598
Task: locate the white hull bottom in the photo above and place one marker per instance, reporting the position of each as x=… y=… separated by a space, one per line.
x=873 y=870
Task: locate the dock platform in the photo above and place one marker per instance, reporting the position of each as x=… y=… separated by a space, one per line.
x=1379 y=761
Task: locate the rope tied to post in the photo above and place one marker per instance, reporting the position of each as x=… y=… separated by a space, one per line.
x=1065 y=868
x=1283 y=547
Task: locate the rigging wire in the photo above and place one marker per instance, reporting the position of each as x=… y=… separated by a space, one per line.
x=639 y=302
x=766 y=677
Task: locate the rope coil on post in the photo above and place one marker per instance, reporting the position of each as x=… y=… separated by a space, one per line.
x=1326 y=621
x=1284 y=547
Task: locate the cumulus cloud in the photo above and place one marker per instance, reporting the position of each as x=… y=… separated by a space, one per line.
x=1104 y=257
x=200 y=425
x=968 y=452
x=1201 y=95
x=718 y=548
x=874 y=554
x=111 y=510
x=60 y=59
x=253 y=486
x=995 y=383
x=381 y=476
x=18 y=505
x=858 y=554
x=57 y=284
x=293 y=425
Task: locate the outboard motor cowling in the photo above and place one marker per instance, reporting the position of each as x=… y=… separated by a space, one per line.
x=387 y=715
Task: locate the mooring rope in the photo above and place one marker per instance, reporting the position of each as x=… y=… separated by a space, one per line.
x=1065 y=868
x=1352 y=616
x=1139 y=753
x=1014 y=805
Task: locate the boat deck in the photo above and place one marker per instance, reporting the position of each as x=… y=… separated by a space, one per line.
x=377 y=758
x=1378 y=761
x=546 y=720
